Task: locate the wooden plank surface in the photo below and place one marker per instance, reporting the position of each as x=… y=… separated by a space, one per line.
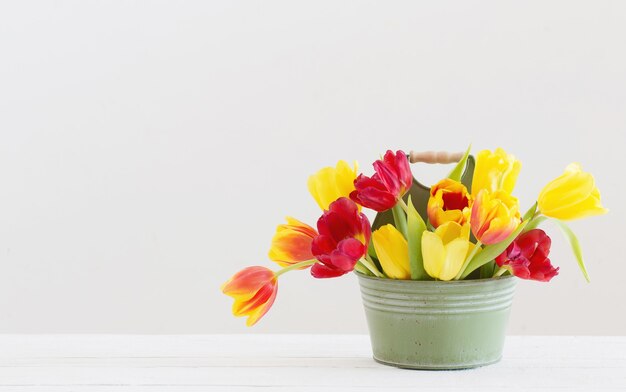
x=296 y=363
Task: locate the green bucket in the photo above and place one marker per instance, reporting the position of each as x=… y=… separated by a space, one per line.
x=418 y=324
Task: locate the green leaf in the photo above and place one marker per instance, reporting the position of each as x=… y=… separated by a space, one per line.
x=399 y=219
x=371 y=250
x=492 y=251
x=535 y=223
x=575 y=244
x=416 y=227
x=457 y=172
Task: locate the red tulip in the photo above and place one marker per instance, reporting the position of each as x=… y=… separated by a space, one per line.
x=527 y=257
x=390 y=182
x=254 y=291
x=344 y=234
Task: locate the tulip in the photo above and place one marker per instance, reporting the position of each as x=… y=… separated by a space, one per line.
x=392 y=250
x=573 y=195
x=527 y=257
x=292 y=243
x=344 y=235
x=449 y=201
x=444 y=251
x=494 y=216
x=331 y=183
x=495 y=171
x=390 y=182
x=254 y=290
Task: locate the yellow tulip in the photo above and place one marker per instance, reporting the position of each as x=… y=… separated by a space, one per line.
x=495 y=171
x=573 y=195
x=331 y=183
x=392 y=250
x=444 y=250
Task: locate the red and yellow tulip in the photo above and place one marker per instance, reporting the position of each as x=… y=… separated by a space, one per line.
x=331 y=183
x=390 y=182
x=254 y=290
x=573 y=195
x=292 y=243
x=494 y=216
x=449 y=202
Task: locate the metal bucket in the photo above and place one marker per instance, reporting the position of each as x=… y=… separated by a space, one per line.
x=437 y=325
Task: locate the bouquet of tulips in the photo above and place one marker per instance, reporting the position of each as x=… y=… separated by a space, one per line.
x=468 y=227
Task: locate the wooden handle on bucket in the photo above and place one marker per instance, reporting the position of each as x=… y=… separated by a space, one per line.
x=435 y=157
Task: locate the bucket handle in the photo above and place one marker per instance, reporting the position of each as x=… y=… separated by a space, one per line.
x=432 y=157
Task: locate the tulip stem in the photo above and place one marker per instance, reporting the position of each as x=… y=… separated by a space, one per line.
x=292 y=267
x=369 y=264
x=499 y=271
x=468 y=259
x=403 y=205
x=360 y=268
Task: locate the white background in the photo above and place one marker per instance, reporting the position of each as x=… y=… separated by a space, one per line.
x=148 y=149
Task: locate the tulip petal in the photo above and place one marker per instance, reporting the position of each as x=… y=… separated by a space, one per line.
x=245 y=283
x=572 y=195
x=321 y=271
x=433 y=253
x=495 y=171
x=260 y=311
x=348 y=252
x=292 y=243
x=392 y=251
x=449 y=232
x=456 y=251
x=376 y=199
x=331 y=183
x=240 y=308
x=589 y=206
x=388 y=177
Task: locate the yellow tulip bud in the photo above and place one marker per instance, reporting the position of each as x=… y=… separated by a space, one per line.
x=392 y=250
x=573 y=195
x=331 y=183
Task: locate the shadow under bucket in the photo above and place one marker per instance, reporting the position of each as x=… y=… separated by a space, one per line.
x=437 y=325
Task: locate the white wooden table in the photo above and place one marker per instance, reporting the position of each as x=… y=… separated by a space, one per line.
x=292 y=363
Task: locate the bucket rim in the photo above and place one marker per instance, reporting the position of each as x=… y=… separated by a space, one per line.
x=434 y=282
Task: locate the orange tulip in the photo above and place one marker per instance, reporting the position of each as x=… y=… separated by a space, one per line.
x=494 y=216
x=449 y=202
x=292 y=243
x=254 y=290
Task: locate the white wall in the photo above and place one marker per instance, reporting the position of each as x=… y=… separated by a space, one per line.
x=148 y=149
